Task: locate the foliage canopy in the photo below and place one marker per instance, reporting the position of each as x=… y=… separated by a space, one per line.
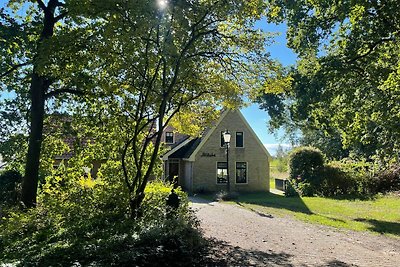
x=345 y=86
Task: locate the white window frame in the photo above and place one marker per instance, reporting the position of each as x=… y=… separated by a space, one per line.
x=173 y=138
x=216 y=172
x=242 y=140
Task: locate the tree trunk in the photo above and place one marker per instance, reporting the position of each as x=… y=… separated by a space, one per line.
x=38 y=88
x=31 y=178
x=135 y=204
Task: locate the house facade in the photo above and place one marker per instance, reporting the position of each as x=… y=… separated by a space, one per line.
x=200 y=164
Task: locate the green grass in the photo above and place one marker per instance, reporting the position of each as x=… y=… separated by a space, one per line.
x=379 y=215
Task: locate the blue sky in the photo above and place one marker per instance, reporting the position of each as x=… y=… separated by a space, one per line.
x=258 y=118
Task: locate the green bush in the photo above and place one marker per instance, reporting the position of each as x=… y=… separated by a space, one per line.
x=335 y=181
x=386 y=180
x=10 y=182
x=305 y=164
x=309 y=176
x=360 y=174
x=290 y=190
x=305 y=167
x=80 y=221
x=306 y=189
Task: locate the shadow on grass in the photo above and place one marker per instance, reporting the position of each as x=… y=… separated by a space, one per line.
x=381 y=227
x=222 y=254
x=294 y=204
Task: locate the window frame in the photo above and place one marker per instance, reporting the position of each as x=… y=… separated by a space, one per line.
x=246 y=172
x=236 y=143
x=222 y=141
x=216 y=172
x=172 y=136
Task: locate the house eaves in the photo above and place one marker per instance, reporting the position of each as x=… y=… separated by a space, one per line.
x=206 y=137
x=176 y=148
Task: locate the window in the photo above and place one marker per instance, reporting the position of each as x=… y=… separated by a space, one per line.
x=241 y=172
x=222 y=173
x=169 y=137
x=239 y=139
x=222 y=139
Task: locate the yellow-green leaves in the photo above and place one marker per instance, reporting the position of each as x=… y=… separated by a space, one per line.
x=356 y=13
x=278 y=85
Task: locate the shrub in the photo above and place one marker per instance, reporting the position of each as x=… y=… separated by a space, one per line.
x=306 y=189
x=290 y=190
x=387 y=180
x=305 y=163
x=155 y=201
x=10 y=182
x=335 y=181
x=359 y=174
x=86 y=222
x=305 y=167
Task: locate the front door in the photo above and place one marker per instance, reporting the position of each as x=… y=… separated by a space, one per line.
x=173 y=171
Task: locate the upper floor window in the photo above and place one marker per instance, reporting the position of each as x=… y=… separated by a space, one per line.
x=169 y=137
x=239 y=139
x=222 y=139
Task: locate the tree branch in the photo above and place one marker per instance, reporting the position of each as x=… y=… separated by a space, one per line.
x=61 y=16
x=371 y=48
x=41 y=5
x=13 y=68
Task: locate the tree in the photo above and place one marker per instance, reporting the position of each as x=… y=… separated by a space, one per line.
x=176 y=62
x=43 y=54
x=346 y=82
x=149 y=62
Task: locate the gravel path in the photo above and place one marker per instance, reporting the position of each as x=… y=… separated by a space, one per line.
x=247 y=238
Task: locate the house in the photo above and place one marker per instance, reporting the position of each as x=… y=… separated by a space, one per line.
x=200 y=164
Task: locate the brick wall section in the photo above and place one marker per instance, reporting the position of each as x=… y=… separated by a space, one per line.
x=204 y=169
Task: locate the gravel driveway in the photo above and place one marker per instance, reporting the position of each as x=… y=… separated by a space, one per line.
x=246 y=238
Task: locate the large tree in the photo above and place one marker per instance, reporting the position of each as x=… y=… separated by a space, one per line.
x=175 y=60
x=151 y=60
x=44 y=51
x=346 y=83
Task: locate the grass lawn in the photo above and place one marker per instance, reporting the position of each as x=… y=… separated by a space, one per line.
x=379 y=215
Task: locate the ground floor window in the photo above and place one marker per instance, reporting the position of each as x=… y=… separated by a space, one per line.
x=222 y=173
x=241 y=172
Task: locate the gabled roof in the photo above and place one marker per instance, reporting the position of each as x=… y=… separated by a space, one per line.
x=188 y=149
x=204 y=140
x=176 y=147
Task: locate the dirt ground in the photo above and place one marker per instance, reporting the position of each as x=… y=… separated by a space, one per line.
x=246 y=238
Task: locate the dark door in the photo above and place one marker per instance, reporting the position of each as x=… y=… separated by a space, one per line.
x=173 y=172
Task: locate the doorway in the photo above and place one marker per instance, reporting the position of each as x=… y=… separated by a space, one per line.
x=173 y=171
